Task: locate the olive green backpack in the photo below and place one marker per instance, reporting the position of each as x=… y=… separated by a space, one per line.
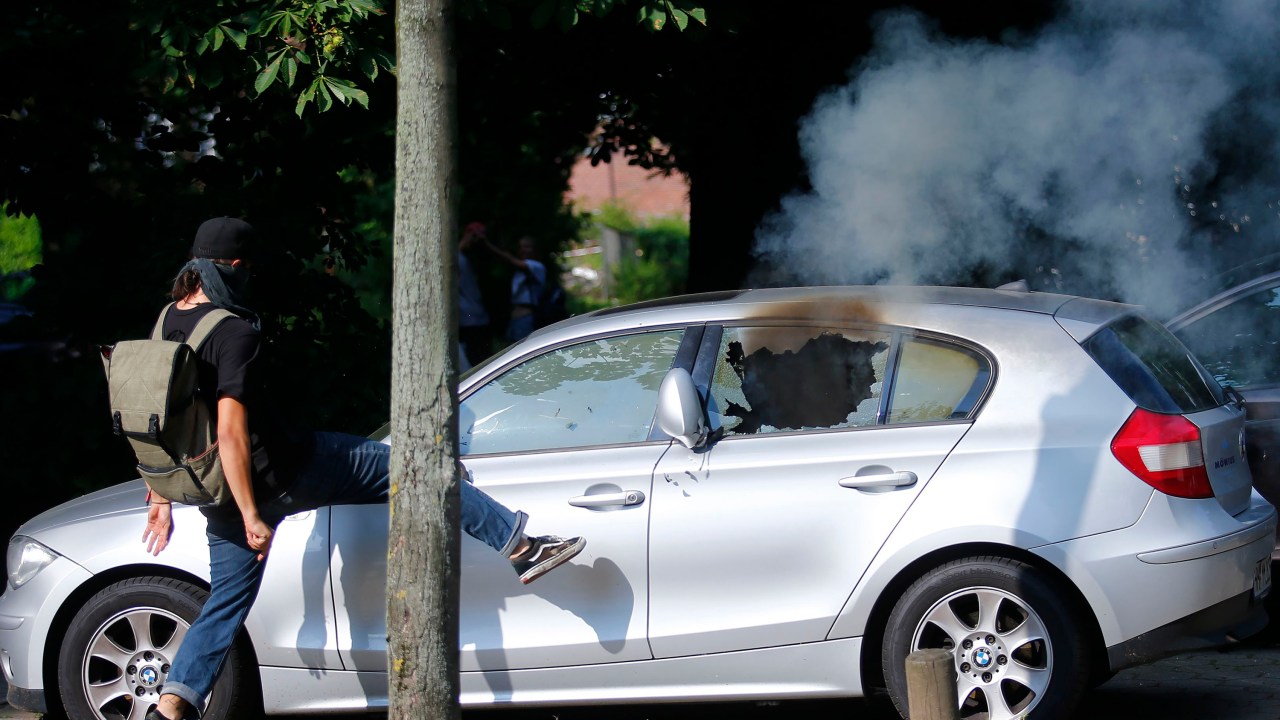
x=154 y=391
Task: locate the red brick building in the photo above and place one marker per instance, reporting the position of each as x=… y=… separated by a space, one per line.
x=645 y=193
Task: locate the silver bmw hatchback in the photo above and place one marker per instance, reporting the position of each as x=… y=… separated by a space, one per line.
x=785 y=492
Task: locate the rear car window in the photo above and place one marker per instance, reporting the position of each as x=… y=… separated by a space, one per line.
x=1155 y=370
x=936 y=381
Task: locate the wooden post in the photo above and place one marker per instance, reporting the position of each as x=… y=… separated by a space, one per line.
x=931 y=686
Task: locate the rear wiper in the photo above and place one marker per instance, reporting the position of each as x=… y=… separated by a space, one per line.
x=1234 y=395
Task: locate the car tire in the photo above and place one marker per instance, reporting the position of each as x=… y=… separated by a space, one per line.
x=1016 y=640
x=116 y=653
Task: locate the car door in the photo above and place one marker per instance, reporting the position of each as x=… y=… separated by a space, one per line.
x=565 y=436
x=759 y=539
x=295 y=627
x=1236 y=336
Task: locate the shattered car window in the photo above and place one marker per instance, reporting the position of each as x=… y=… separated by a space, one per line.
x=936 y=381
x=783 y=379
x=600 y=392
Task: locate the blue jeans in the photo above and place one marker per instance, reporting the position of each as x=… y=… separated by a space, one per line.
x=342 y=470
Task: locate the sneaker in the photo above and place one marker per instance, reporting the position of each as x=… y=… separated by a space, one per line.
x=547 y=552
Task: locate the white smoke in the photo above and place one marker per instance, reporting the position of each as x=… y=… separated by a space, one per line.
x=1090 y=153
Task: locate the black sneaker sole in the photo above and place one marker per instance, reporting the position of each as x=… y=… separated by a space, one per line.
x=538 y=571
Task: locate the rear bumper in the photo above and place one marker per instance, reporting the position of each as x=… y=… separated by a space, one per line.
x=1182 y=559
x=1229 y=621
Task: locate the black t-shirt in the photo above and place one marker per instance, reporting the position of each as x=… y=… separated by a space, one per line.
x=229 y=367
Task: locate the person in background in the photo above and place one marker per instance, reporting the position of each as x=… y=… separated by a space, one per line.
x=526 y=284
x=473 y=319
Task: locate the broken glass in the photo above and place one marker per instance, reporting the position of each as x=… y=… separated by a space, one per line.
x=779 y=379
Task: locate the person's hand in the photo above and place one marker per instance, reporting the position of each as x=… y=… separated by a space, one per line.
x=259 y=535
x=159 y=527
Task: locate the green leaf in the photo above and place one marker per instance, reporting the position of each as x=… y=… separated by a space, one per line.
x=239 y=37
x=324 y=100
x=290 y=70
x=652 y=17
x=385 y=59
x=366 y=7
x=543 y=13
x=267 y=24
x=208 y=40
x=268 y=75
x=368 y=65
x=699 y=14
x=170 y=78
x=567 y=16
x=218 y=37
x=681 y=17
x=347 y=91
x=306 y=97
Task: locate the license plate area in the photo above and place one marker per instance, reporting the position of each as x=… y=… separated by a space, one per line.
x=1262 y=578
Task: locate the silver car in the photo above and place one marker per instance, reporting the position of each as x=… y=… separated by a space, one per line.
x=785 y=493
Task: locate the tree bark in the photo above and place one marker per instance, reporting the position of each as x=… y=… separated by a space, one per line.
x=423 y=543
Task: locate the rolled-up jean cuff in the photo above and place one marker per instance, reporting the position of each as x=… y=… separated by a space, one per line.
x=186 y=693
x=516 y=533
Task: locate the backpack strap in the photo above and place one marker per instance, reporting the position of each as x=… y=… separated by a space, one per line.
x=157 y=333
x=200 y=331
x=206 y=326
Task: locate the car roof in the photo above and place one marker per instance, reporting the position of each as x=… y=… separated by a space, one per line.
x=1079 y=317
x=1046 y=303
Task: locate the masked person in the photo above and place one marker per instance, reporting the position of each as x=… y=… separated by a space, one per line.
x=274 y=472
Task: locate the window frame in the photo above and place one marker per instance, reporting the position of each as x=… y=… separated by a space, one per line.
x=709 y=354
x=979 y=399
x=683 y=354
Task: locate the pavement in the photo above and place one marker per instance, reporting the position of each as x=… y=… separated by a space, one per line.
x=1241 y=682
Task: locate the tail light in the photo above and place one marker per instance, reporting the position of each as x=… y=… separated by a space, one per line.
x=1164 y=452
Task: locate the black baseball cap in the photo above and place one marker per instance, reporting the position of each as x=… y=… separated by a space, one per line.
x=223 y=238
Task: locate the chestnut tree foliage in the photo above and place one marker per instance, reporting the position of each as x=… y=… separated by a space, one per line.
x=125 y=123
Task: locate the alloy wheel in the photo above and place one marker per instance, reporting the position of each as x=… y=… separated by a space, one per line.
x=1003 y=656
x=127 y=661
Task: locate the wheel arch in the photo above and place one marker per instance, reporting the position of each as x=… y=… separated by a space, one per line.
x=873 y=638
x=78 y=598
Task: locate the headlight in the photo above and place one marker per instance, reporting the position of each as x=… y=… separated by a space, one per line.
x=25 y=558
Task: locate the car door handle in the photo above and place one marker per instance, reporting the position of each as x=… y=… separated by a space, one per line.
x=893 y=479
x=618 y=499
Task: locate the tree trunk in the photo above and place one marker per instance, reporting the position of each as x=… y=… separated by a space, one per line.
x=423 y=543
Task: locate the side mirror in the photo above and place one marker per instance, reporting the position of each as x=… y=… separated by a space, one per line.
x=680 y=409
